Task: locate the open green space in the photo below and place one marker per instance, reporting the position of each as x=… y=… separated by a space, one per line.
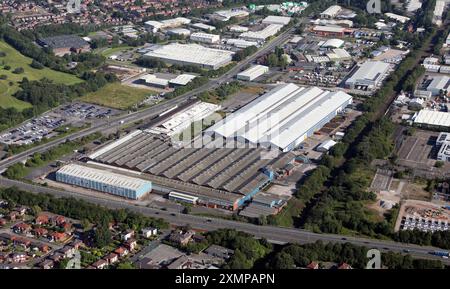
x=116 y=95
x=107 y=52
x=10 y=85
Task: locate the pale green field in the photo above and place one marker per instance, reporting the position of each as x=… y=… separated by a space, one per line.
x=15 y=59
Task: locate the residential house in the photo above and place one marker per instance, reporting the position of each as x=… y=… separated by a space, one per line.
x=121 y=251
x=313 y=265
x=219 y=252
x=67 y=251
x=59 y=220
x=180 y=237
x=148 y=232
x=21 y=228
x=18 y=257
x=47 y=264
x=128 y=235
x=40 y=232
x=100 y=264
x=130 y=244
x=344 y=266
x=112 y=258
x=3 y=222
x=42 y=219
x=57 y=237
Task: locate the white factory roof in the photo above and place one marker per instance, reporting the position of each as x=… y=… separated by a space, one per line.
x=182 y=79
x=399 y=18
x=282 y=20
x=329 y=29
x=114 y=144
x=413 y=5
x=193 y=53
x=432 y=117
x=332 y=10
x=103 y=176
x=270 y=30
x=439 y=82
x=254 y=70
x=241 y=43
x=175 y=22
x=204 y=26
x=334 y=43
x=179 y=31
x=326 y=145
x=153 y=79
x=341 y=53
x=153 y=23
x=212 y=37
x=237 y=28
x=183 y=119
x=369 y=70
x=227 y=14
x=280 y=116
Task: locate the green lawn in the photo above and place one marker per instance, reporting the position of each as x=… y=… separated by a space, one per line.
x=118 y=96
x=110 y=51
x=15 y=59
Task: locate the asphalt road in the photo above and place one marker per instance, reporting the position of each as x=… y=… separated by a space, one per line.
x=273 y=234
x=154 y=110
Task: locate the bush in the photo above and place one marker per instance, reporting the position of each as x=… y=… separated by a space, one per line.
x=18 y=70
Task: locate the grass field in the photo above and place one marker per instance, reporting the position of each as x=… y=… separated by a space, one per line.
x=14 y=59
x=116 y=95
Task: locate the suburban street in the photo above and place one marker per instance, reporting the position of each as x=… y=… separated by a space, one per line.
x=273 y=234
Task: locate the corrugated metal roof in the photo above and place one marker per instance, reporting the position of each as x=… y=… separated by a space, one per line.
x=103 y=176
x=432 y=117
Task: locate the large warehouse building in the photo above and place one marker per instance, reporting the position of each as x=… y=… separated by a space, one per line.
x=191 y=54
x=205 y=37
x=281 y=118
x=104 y=181
x=252 y=73
x=368 y=76
x=262 y=35
x=432 y=118
x=214 y=177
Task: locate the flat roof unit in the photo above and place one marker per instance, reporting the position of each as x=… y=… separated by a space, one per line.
x=282 y=20
x=432 y=118
x=225 y=15
x=444 y=152
x=182 y=120
x=438 y=84
x=182 y=79
x=333 y=43
x=283 y=117
x=262 y=35
x=396 y=17
x=370 y=73
x=192 y=54
x=204 y=26
x=63 y=41
x=205 y=37
x=442 y=138
x=252 y=72
x=241 y=43
x=413 y=5
x=331 y=11
x=179 y=31
x=152 y=79
x=104 y=176
x=333 y=29
x=237 y=28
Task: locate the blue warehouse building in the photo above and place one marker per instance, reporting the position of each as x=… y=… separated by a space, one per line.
x=104 y=181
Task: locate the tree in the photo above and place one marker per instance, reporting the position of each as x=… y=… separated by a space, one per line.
x=272 y=60
x=102 y=236
x=125 y=265
x=36 y=64
x=283 y=261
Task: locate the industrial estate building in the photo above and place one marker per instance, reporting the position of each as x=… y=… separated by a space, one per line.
x=443 y=142
x=281 y=118
x=205 y=37
x=262 y=35
x=432 y=118
x=183 y=119
x=252 y=73
x=281 y=20
x=213 y=177
x=104 y=181
x=191 y=54
x=65 y=44
x=439 y=84
x=331 y=12
x=169 y=23
x=369 y=75
x=241 y=43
